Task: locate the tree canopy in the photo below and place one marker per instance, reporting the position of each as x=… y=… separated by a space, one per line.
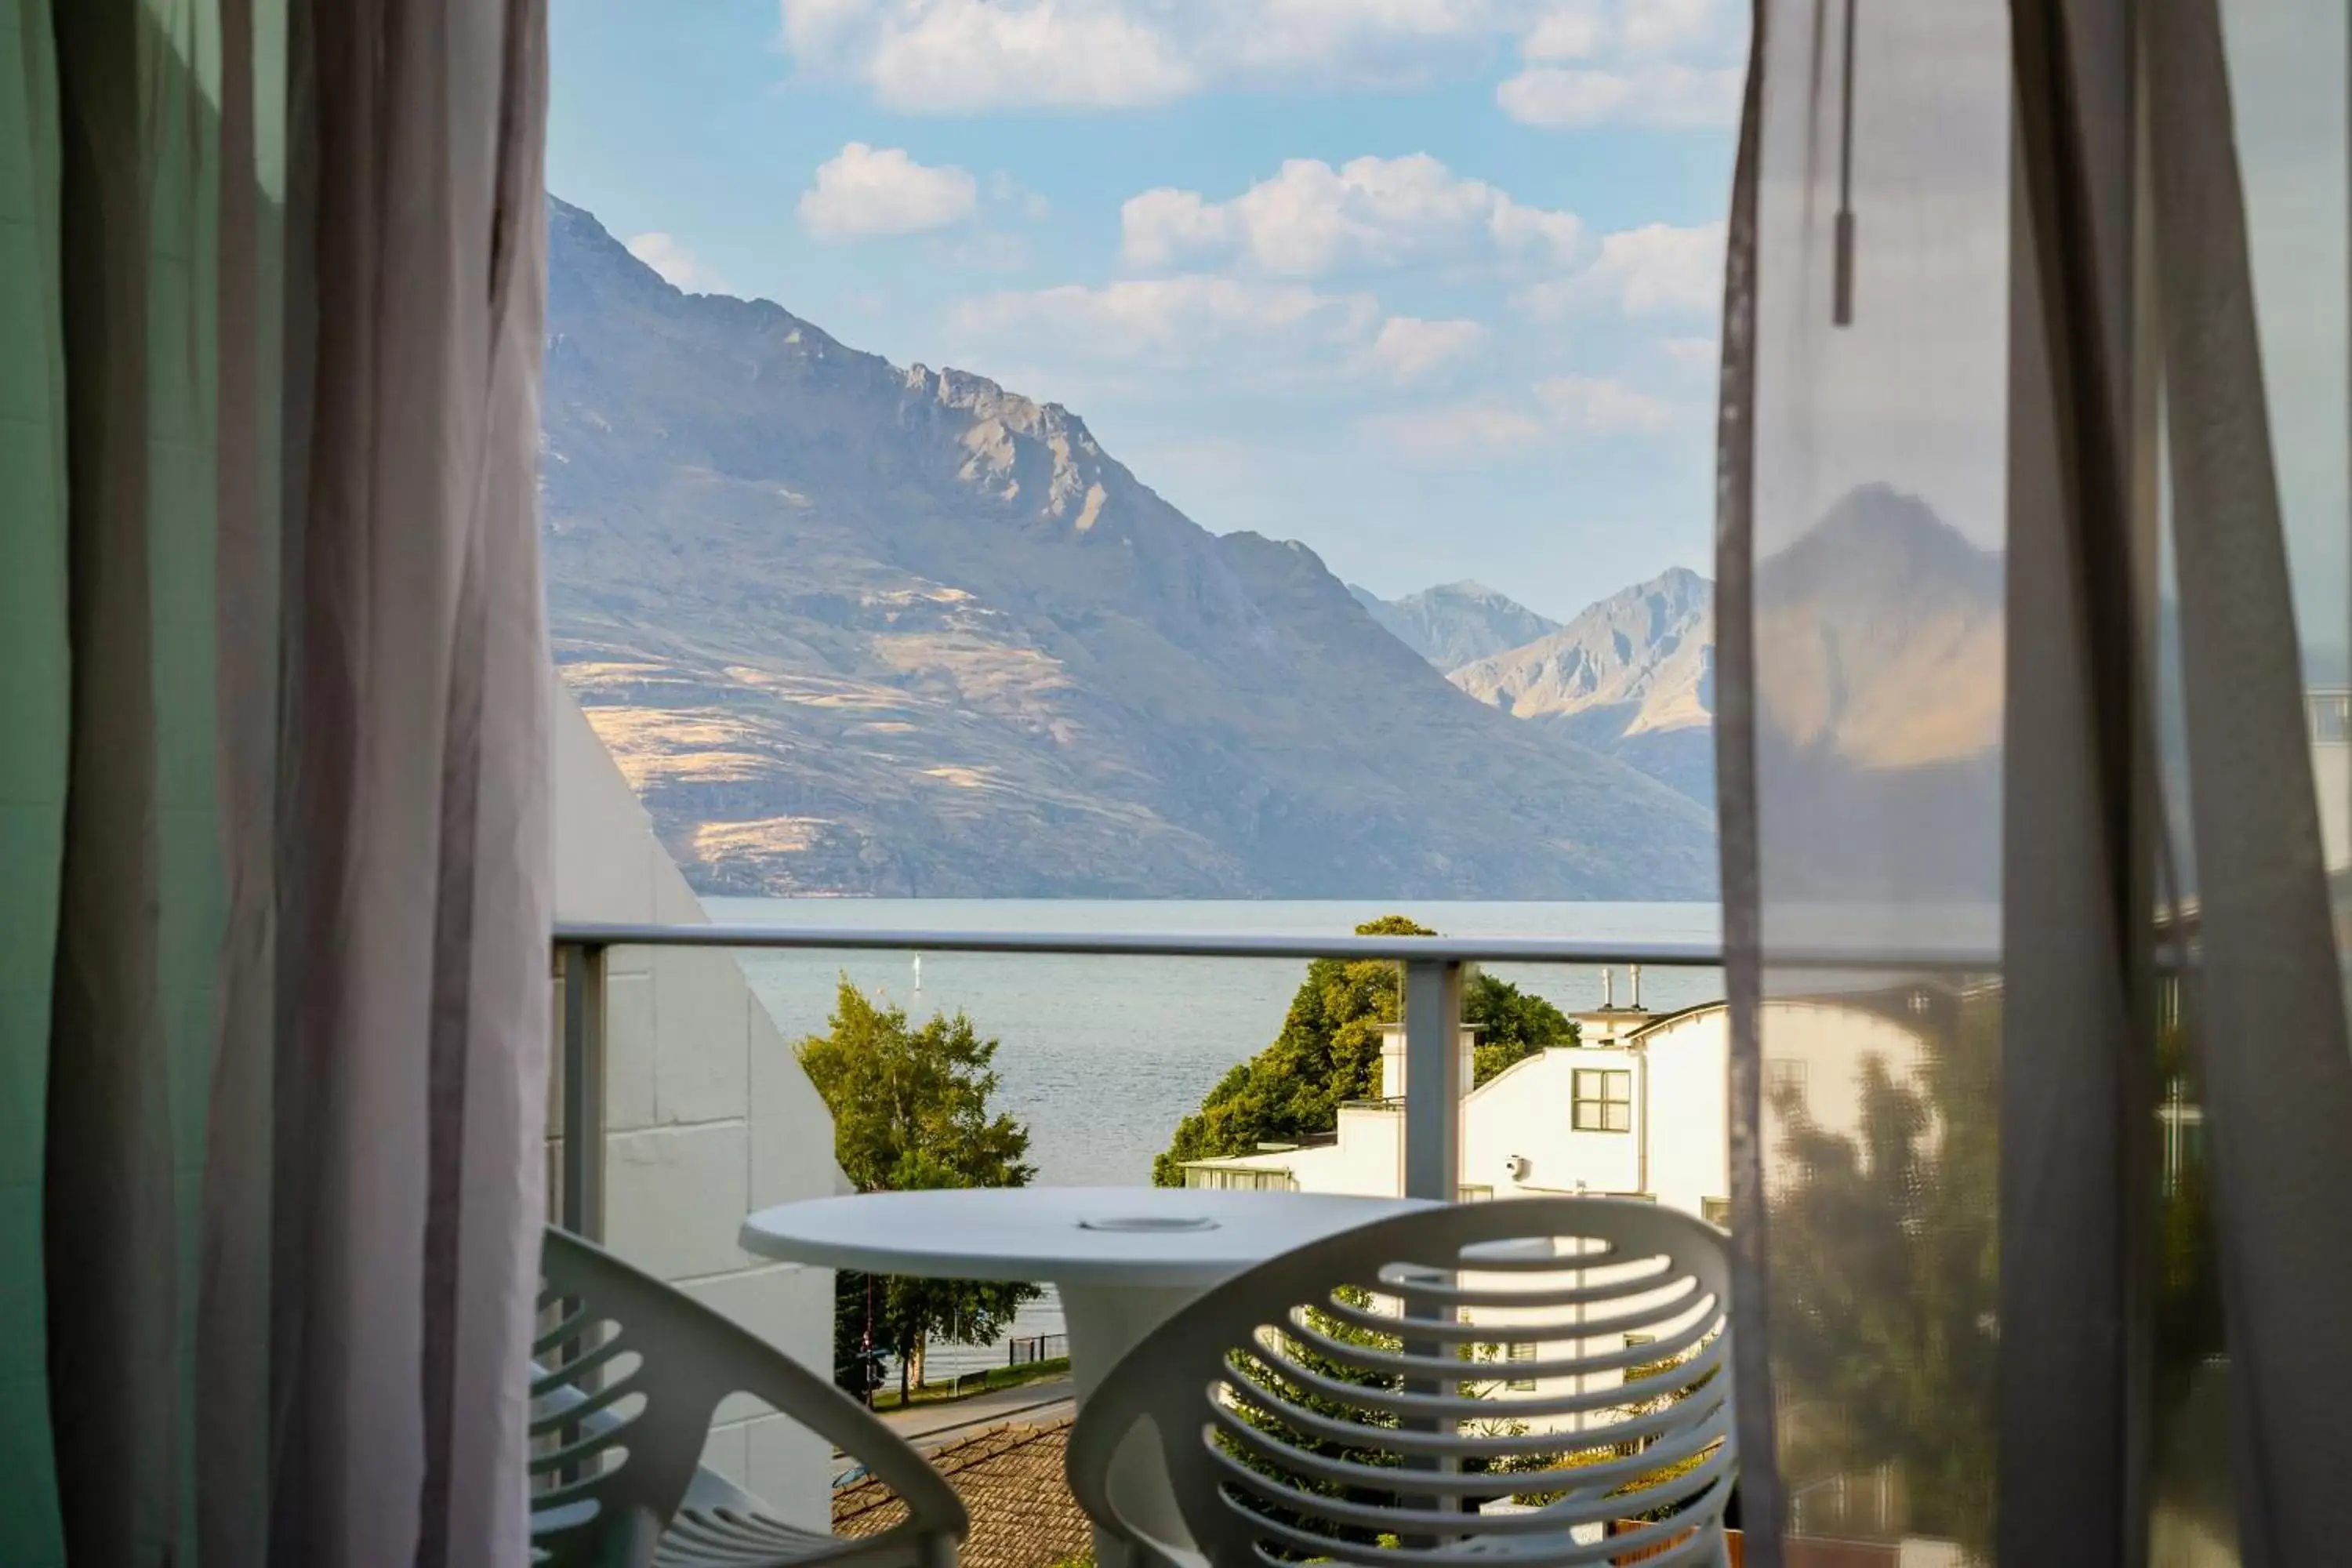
x=1329 y=1052
x=911 y=1112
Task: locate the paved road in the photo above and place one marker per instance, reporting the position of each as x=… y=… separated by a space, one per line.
x=929 y=1426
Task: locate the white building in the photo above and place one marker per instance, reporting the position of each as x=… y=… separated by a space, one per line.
x=708 y=1115
x=1639 y=1109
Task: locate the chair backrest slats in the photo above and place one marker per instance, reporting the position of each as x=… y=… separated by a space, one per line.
x=1495 y=1381
x=624 y=1386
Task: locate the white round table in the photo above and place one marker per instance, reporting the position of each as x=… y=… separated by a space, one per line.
x=1124 y=1259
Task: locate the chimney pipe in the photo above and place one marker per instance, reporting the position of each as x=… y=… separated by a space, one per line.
x=1607 y=989
x=1635 y=970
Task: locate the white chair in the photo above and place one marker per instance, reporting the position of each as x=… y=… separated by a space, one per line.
x=623 y=1384
x=1359 y=1399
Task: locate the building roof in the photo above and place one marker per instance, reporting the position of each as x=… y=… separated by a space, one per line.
x=1660 y=1020
x=1010 y=1477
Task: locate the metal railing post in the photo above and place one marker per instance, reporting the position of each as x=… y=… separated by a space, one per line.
x=1432 y=1155
x=1432 y=1079
x=580 y=1194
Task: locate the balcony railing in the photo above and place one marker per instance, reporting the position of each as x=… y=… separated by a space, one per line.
x=1432 y=1013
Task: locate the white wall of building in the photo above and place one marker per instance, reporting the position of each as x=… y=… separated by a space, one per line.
x=708 y=1116
x=1519 y=1133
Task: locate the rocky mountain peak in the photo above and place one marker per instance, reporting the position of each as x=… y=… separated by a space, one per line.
x=1020 y=447
x=1455 y=623
x=1633 y=674
x=850 y=627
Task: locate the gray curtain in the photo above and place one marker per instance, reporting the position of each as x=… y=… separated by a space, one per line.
x=2275 y=1068
x=287 y=258
x=2032 y=902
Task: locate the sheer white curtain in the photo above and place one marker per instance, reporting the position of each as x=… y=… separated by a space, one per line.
x=287 y=257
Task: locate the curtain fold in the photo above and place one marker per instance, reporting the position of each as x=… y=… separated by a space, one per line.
x=1760 y=1498
x=291 y=1045
x=2034 y=875
x=111 y=1249
x=2077 y=1103
x=416 y=1037
x=2274 y=1063
x=35 y=693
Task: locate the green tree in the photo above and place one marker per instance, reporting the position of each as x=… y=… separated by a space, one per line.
x=911 y=1112
x=1329 y=1053
x=1512 y=1024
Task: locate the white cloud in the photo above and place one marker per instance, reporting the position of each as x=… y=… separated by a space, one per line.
x=1311 y=219
x=1575 y=31
x=678 y=267
x=1590 y=405
x=947 y=56
x=865 y=194
x=1409 y=348
x=1160 y=226
x=1666 y=64
x=1657 y=25
x=1370 y=42
x=1666 y=97
x=1194 y=319
x=953 y=57
x=1655 y=270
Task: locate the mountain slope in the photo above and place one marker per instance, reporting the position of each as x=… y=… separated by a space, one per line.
x=1633 y=675
x=853 y=628
x=1456 y=623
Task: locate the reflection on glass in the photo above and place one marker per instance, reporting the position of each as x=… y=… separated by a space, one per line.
x=1883 y=1184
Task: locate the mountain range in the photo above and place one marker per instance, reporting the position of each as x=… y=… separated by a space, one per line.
x=1632 y=676
x=857 y=628
x=1455 y=624
x=1879 y=659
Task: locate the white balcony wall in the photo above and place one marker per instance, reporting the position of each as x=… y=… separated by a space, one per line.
x=707 y=1115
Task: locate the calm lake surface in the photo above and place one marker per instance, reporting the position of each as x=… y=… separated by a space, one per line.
x=1102 y=1057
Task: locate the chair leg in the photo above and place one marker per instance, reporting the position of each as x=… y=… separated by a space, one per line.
x=632 y=1542
x=938 y=1550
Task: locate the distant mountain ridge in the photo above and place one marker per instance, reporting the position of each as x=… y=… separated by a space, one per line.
x=1456 y=623
x=1632 y=676
x=854 y=628
x=1879 y=643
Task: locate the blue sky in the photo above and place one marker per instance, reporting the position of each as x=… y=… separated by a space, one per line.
x=1428 y=284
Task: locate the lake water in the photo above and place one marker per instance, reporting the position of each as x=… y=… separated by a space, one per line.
x=1102 y=1056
